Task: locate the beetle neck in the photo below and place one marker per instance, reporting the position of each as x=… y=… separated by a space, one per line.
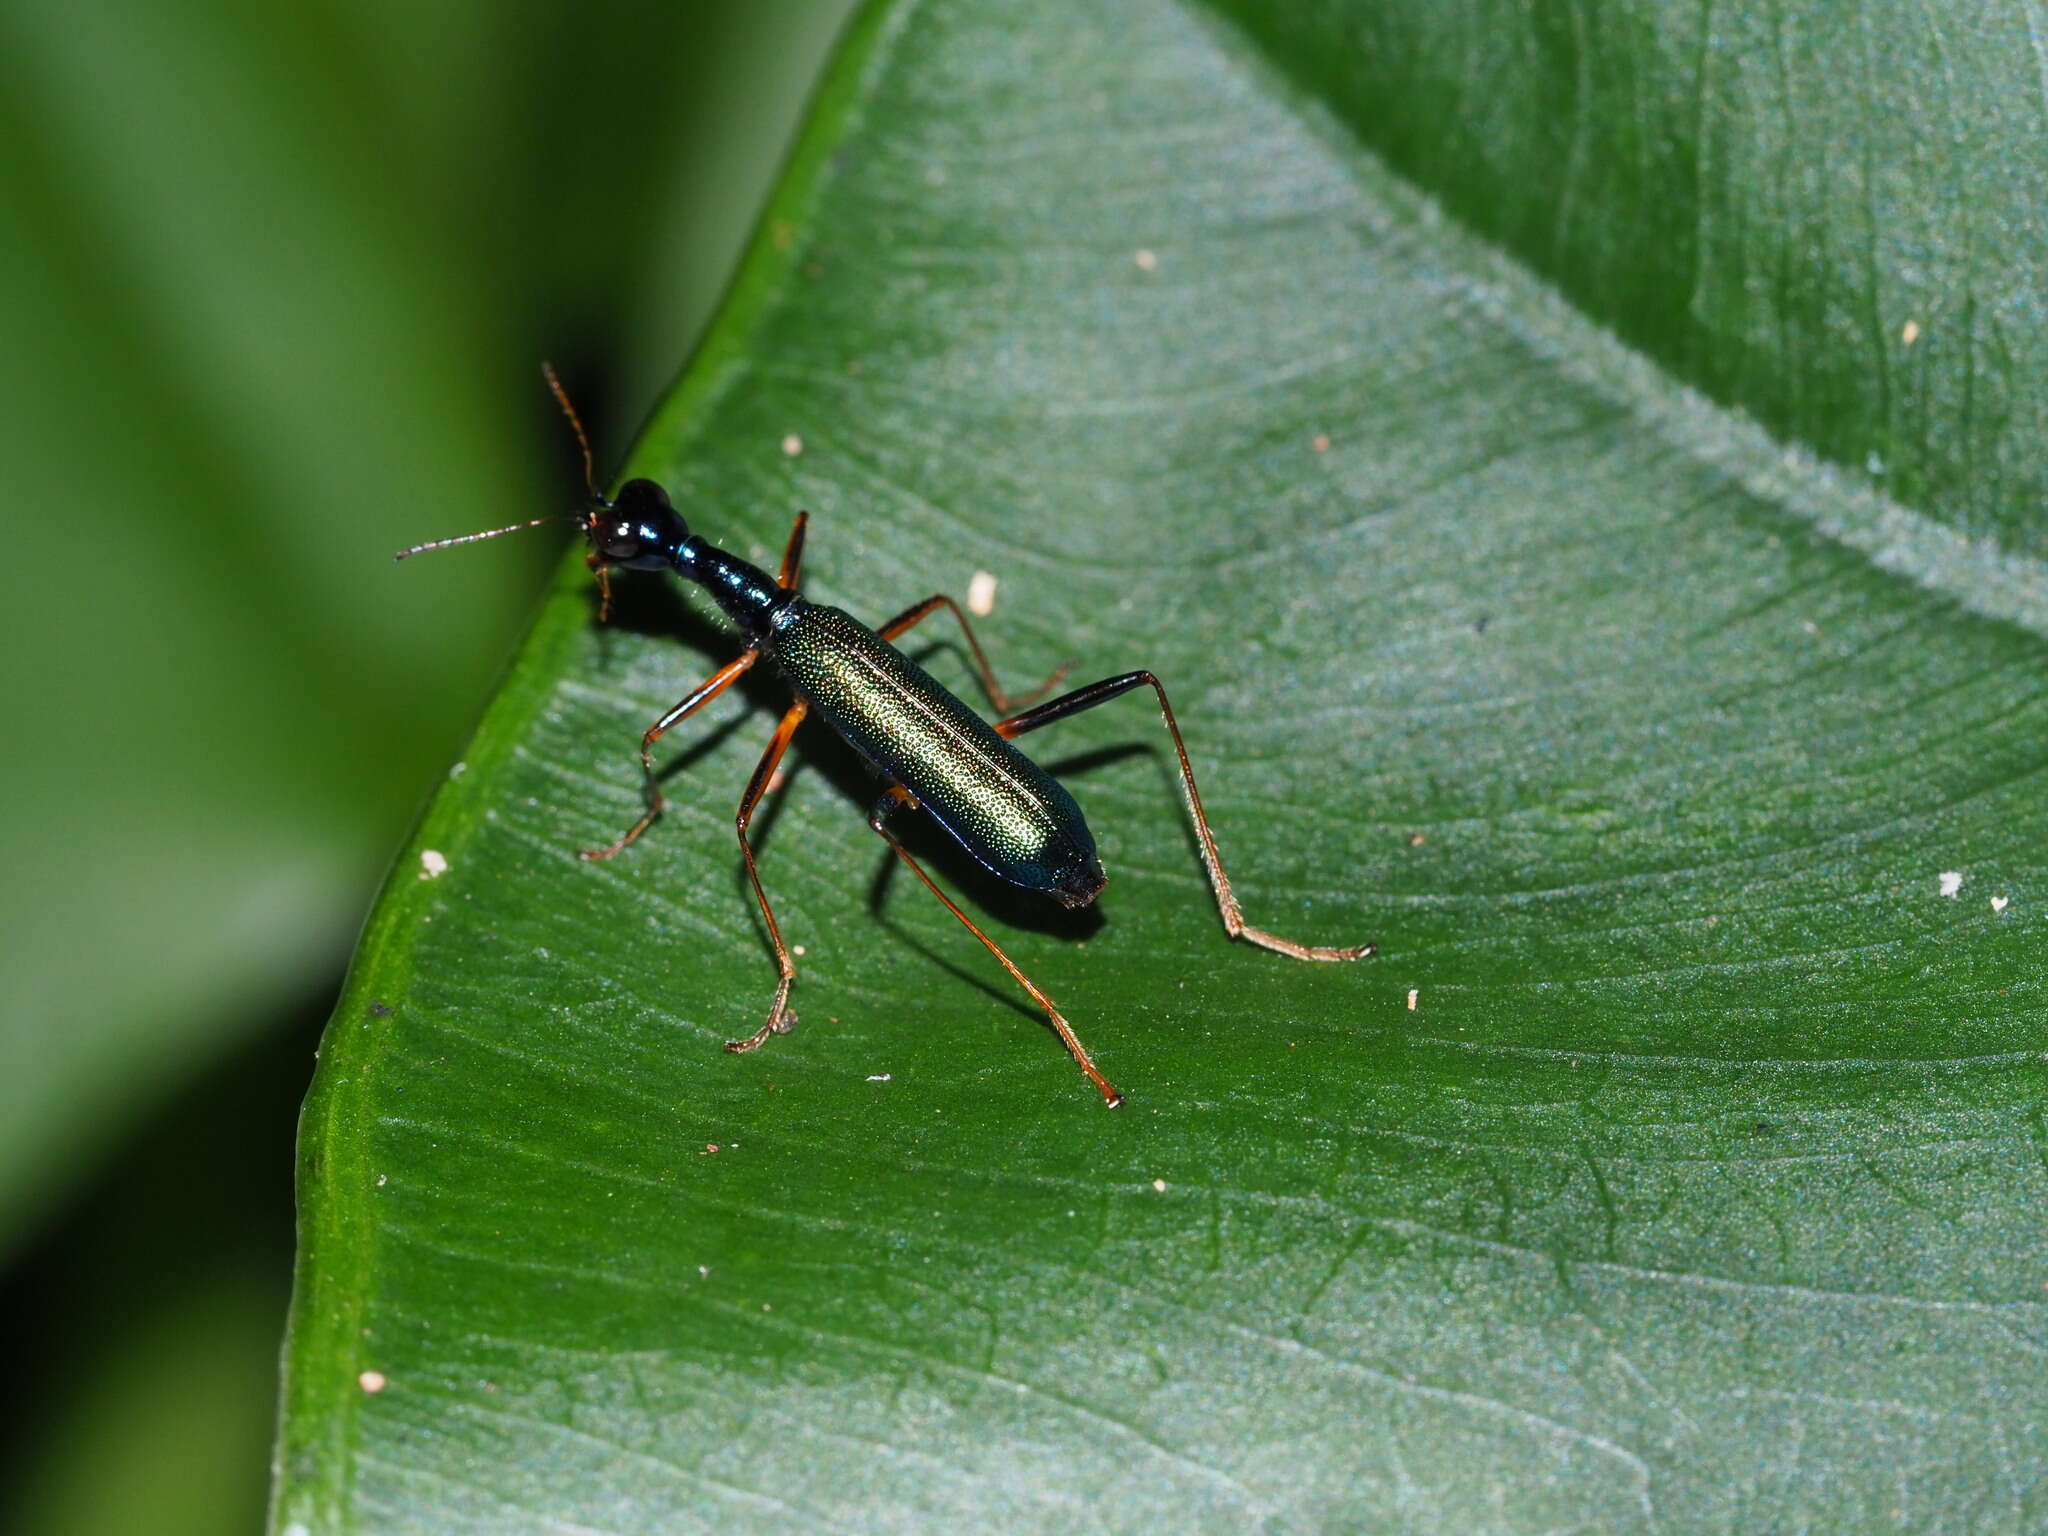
x=745 y=593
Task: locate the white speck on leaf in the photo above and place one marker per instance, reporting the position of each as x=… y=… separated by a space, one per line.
x=1413 y=994
x=879 y=1077
x=792 y=445
x=1160 y=1185
x=371 y=1381
x=1909 y=333
x=433 y=864
x=1951 y=882
x=981 y=594
x=1148 y=261
x=2000 y=903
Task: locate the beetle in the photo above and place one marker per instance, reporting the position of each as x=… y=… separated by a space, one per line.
x=933 y=752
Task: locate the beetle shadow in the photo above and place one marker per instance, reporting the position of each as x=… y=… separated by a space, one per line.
x=931 y=846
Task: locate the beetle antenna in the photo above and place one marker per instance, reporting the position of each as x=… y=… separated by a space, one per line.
x=575 y=424
x=469 y=538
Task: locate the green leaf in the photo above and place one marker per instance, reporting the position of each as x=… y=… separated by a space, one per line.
x=1678 y=1163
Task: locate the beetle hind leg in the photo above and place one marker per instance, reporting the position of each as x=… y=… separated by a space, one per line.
x=898 y=797
x=1212 y=861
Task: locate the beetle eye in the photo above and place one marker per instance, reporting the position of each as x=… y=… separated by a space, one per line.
x=620 y=542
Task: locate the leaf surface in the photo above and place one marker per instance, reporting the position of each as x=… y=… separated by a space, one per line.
x=1677 y=1165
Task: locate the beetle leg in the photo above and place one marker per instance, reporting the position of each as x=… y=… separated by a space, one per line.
x=780 y=1019
x=894 y=799
x=877 y=819
x=917 y=613
x=710 y=689
x=793 y=554
x=1233 y=916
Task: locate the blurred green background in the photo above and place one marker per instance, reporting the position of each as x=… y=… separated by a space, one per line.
x=276 y=282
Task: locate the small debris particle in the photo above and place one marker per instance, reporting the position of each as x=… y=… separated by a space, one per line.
x=2000 y=903
x=792 y=445
x=981 y=594
x=1320 y=442
x=767 y=1307
x=458 y=770
x=1147 y=261
x=371 y=1381
x=1951 y=882
x=1909 y=333
x=381 y=1010
x=433 y=864
x=703 y=1271
x=1160 y=1185
x=879 y=1077
x=710 y=1147
x=1479 y=624
x=796 y=949
x=1416 y=839
x=1809 y=626
x=383 y=1179
x=1874 y=462
x=1413 y=994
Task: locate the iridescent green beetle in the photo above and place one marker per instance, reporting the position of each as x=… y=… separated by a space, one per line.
x=936 y=754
